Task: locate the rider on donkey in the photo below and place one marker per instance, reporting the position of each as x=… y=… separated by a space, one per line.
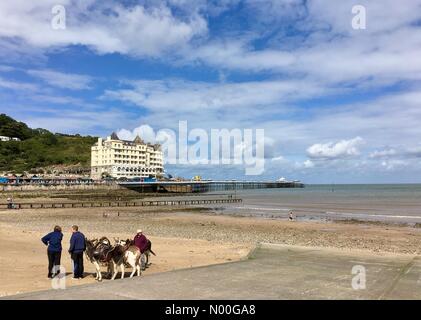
x=141 y=242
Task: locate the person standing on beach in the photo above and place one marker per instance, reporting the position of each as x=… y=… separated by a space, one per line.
x=10 y=203
x=77 y=247
x=141 y=242
x=53 y=241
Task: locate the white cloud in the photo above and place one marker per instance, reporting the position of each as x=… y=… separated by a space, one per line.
x=63 y=80
x=331 y=150
x=14 y=85
x=235 y=55
x=331 y=52
x=278 y=159
x=303 y=165
x=393 y=164
x=394 y=155
x=145 y=132
x=414 y=152
x=308 y=164
x=5 y=68
x=188 y=95
x=383 y=153
x=72 y=121
x=103 y=26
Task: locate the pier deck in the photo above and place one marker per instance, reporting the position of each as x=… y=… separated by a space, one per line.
x=206 y=186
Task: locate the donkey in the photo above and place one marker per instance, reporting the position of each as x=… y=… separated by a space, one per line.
x=147 y=253
x=125 y=254
x=98 y=253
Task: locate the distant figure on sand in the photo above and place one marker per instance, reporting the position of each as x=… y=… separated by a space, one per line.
x=141 y=242
x=53 y=241
x=77 y=247
x=291 y=216
x=10 y=203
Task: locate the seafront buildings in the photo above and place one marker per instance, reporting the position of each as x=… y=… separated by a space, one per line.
x=118 y=158
x=5 y=138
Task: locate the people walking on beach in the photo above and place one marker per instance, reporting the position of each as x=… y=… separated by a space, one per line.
x=77 y=247
x=53 y=241
x=291 y=216
x=141 y=242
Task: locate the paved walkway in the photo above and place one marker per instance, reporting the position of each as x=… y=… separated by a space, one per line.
x=271 y=272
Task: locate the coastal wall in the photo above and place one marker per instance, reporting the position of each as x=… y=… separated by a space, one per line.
x=32 y=187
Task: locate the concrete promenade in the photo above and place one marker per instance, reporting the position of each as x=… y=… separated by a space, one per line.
x=270 y=272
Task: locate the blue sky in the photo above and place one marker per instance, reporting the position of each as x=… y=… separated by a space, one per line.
x=337 y=104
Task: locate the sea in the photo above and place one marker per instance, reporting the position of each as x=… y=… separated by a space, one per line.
x=368 y=202
x=396 y=203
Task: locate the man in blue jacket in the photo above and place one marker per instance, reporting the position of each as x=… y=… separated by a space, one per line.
x=53 y=241
x=77 y=247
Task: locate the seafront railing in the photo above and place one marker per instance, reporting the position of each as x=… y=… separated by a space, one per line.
x=99 y=204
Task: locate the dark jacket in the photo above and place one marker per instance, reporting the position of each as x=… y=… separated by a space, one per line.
x=141 y=242
x=53 y=241
x=77 y=242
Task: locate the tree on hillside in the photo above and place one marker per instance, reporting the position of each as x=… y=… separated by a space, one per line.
x=40 y=148
x=11 y=128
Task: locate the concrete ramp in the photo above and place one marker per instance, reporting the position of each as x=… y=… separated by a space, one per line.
x=270 y=272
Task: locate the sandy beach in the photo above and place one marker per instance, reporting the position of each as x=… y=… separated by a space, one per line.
x=182 y=238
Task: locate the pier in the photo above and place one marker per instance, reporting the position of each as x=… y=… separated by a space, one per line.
x=206 y=186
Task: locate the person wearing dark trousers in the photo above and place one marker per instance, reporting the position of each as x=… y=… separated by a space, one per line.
x=53 y=241
x=77 y=247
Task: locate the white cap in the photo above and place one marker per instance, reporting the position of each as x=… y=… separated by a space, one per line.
x=139 y=231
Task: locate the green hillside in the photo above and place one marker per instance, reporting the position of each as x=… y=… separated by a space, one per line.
x=40 y=148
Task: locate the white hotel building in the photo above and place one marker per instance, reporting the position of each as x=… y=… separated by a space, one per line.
x=125 y=159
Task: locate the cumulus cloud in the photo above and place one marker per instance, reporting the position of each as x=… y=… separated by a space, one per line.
x=331 y=150
x=145 y=132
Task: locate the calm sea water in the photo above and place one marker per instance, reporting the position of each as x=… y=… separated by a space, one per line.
x=395 y=202
x=369 y=202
